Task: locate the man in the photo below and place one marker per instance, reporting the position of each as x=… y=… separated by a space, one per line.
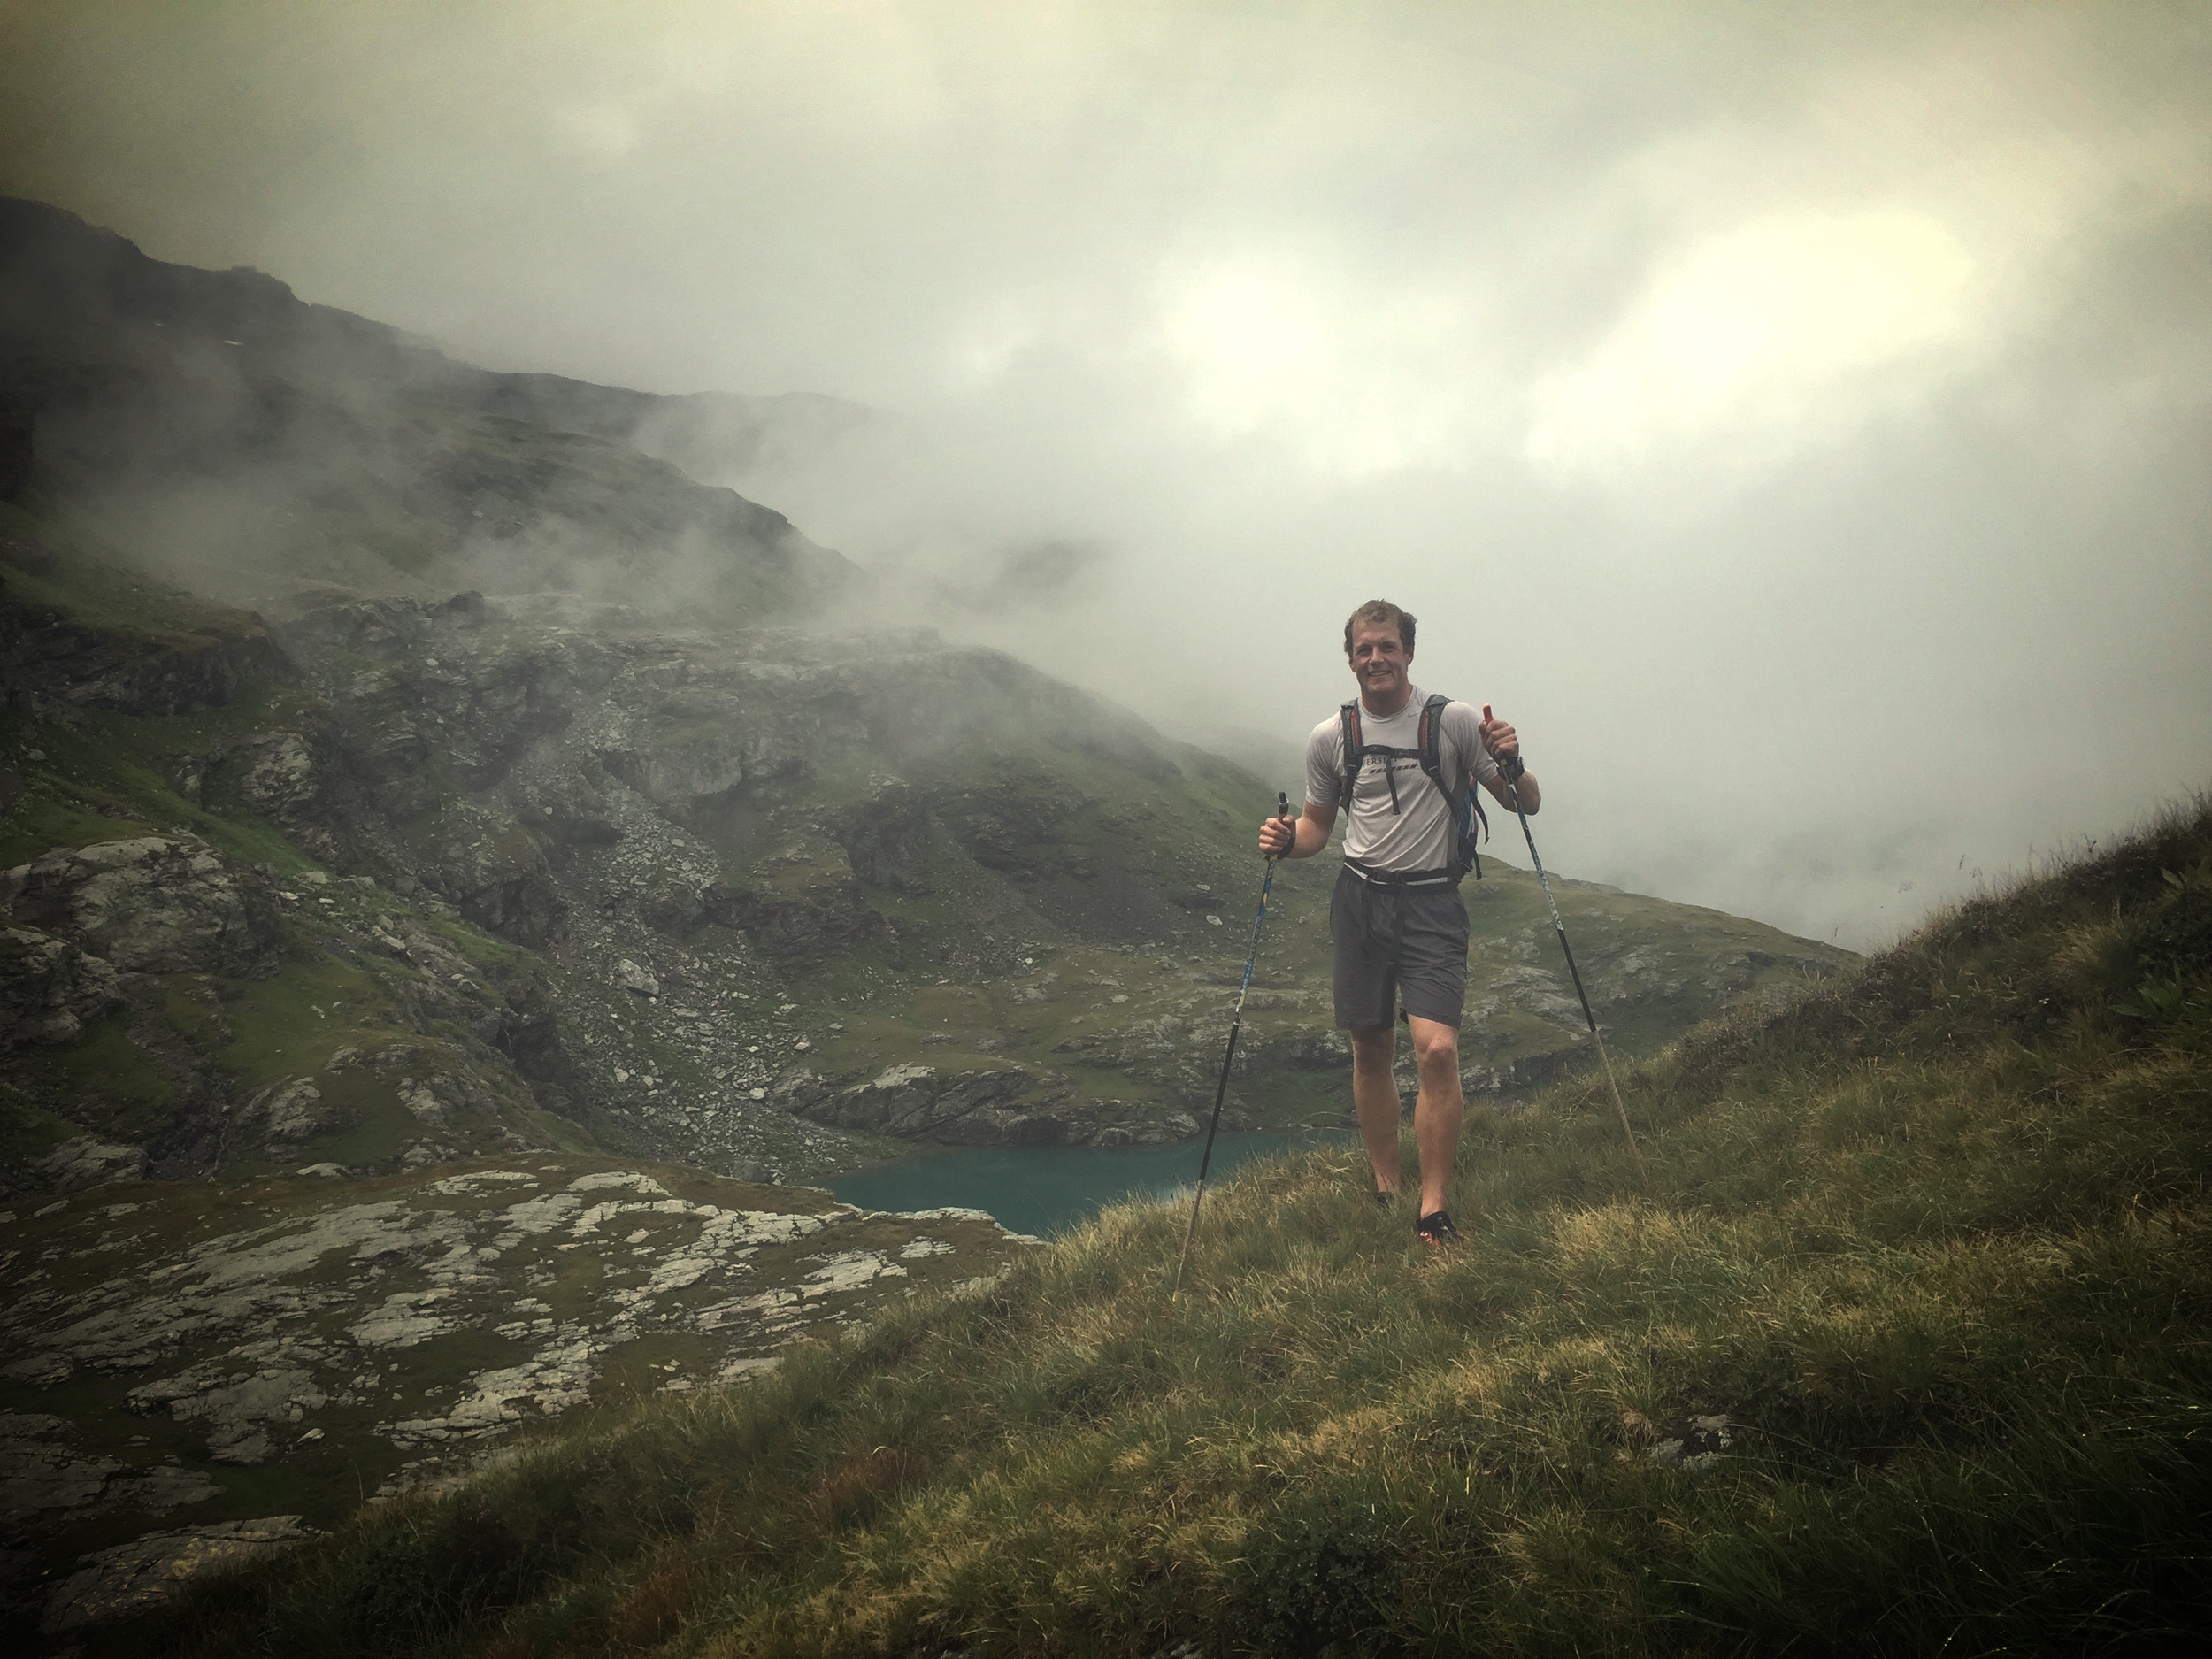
x=1396 y=920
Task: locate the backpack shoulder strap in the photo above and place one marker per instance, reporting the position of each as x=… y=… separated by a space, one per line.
x=1465 y=800
x=1431 y=743
x=1348 y=717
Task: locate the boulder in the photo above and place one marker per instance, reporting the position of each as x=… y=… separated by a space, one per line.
x=132 y=1579
x=289 y=1109
x=89 y=1162
x=978 y=1108
x=150 y=904
x=49 y=989
x=800 y=1090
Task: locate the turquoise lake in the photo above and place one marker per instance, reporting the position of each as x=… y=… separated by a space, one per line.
x=1044 y=1190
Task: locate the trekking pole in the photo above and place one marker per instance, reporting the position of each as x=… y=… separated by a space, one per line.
x=1510 y=768
x=1236 y=1023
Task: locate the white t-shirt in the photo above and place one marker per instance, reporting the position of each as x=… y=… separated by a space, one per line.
x=1417 y=835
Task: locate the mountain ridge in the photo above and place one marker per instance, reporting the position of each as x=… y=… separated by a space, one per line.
x=219 y=428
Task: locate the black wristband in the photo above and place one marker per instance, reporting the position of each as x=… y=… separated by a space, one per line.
x=1510 y=767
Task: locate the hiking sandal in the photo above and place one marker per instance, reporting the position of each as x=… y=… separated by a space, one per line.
x=1436 y=1229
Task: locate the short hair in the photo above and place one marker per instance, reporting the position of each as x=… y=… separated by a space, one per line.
x=1379 y=611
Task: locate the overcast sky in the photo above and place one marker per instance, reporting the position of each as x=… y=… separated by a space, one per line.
x=1797 y=419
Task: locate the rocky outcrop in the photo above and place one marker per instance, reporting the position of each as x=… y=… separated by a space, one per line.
x=886 y=839
x=283 y=1113
x=1004 y=1106
x=43 y=1482
x=76 y=665
x=50 y=989
x=383 y=628
x=319 y=1340
x=149 y=905
x=492 y=871
x=129 y=1579
x=88 y=1161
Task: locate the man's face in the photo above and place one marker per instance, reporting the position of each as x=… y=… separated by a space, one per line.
x=1379 y=663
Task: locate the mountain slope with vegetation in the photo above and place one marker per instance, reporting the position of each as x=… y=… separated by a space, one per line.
x=399 y=915
x=684 y=874
x=543 y=872
x=1894 y=1341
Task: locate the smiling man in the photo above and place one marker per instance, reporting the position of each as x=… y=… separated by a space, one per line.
x=1397 y=922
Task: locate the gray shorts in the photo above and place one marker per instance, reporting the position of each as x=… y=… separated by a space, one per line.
x=1397 y=948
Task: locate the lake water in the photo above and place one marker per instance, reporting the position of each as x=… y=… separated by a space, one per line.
x=1044 y=1190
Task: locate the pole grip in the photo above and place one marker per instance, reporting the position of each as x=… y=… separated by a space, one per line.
x=1510 y=768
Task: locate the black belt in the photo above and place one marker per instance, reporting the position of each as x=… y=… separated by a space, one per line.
x=1400 y=878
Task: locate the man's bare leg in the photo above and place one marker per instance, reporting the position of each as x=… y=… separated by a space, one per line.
x=1437 y=1114
x=1375 y=1101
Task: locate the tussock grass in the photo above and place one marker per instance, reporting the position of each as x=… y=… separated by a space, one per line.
x=1933 y=1239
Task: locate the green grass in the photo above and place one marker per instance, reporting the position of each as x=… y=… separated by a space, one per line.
x=107 y=776
x=104 y=1081
x=27 y=1130
x=92 y=585
x=1933 y=1238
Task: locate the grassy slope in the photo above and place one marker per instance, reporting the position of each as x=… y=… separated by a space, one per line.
x=1130 y=998
x=1933 y=1239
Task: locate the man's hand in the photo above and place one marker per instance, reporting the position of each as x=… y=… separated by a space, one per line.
x=1499 y=739
x=1279 y=837
x=1505 y=746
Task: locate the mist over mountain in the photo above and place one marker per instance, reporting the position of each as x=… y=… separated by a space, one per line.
x=225 y=436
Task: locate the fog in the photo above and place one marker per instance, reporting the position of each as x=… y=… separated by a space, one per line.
x=1793 y=419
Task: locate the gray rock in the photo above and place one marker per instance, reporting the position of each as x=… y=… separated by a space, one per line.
x=969 y=1108
x=421 y=1098
x=40 y=1479
x=1696 y=1444
x=131 y=1578
x=85 y=1162
x=403 y=1320
x=630 y=976
x=289 y=1108
x=1002 y=1106
x=233 y=1442
x=152 y=904
x=799 y=1090
x=49 y=989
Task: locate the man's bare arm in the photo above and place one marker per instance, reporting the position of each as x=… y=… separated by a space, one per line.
x=1308 y=833
x=1531 y=797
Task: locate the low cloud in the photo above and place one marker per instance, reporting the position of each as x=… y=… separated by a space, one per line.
x=1795 y=421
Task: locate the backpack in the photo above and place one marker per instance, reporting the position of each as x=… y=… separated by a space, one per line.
x=1466 y=811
